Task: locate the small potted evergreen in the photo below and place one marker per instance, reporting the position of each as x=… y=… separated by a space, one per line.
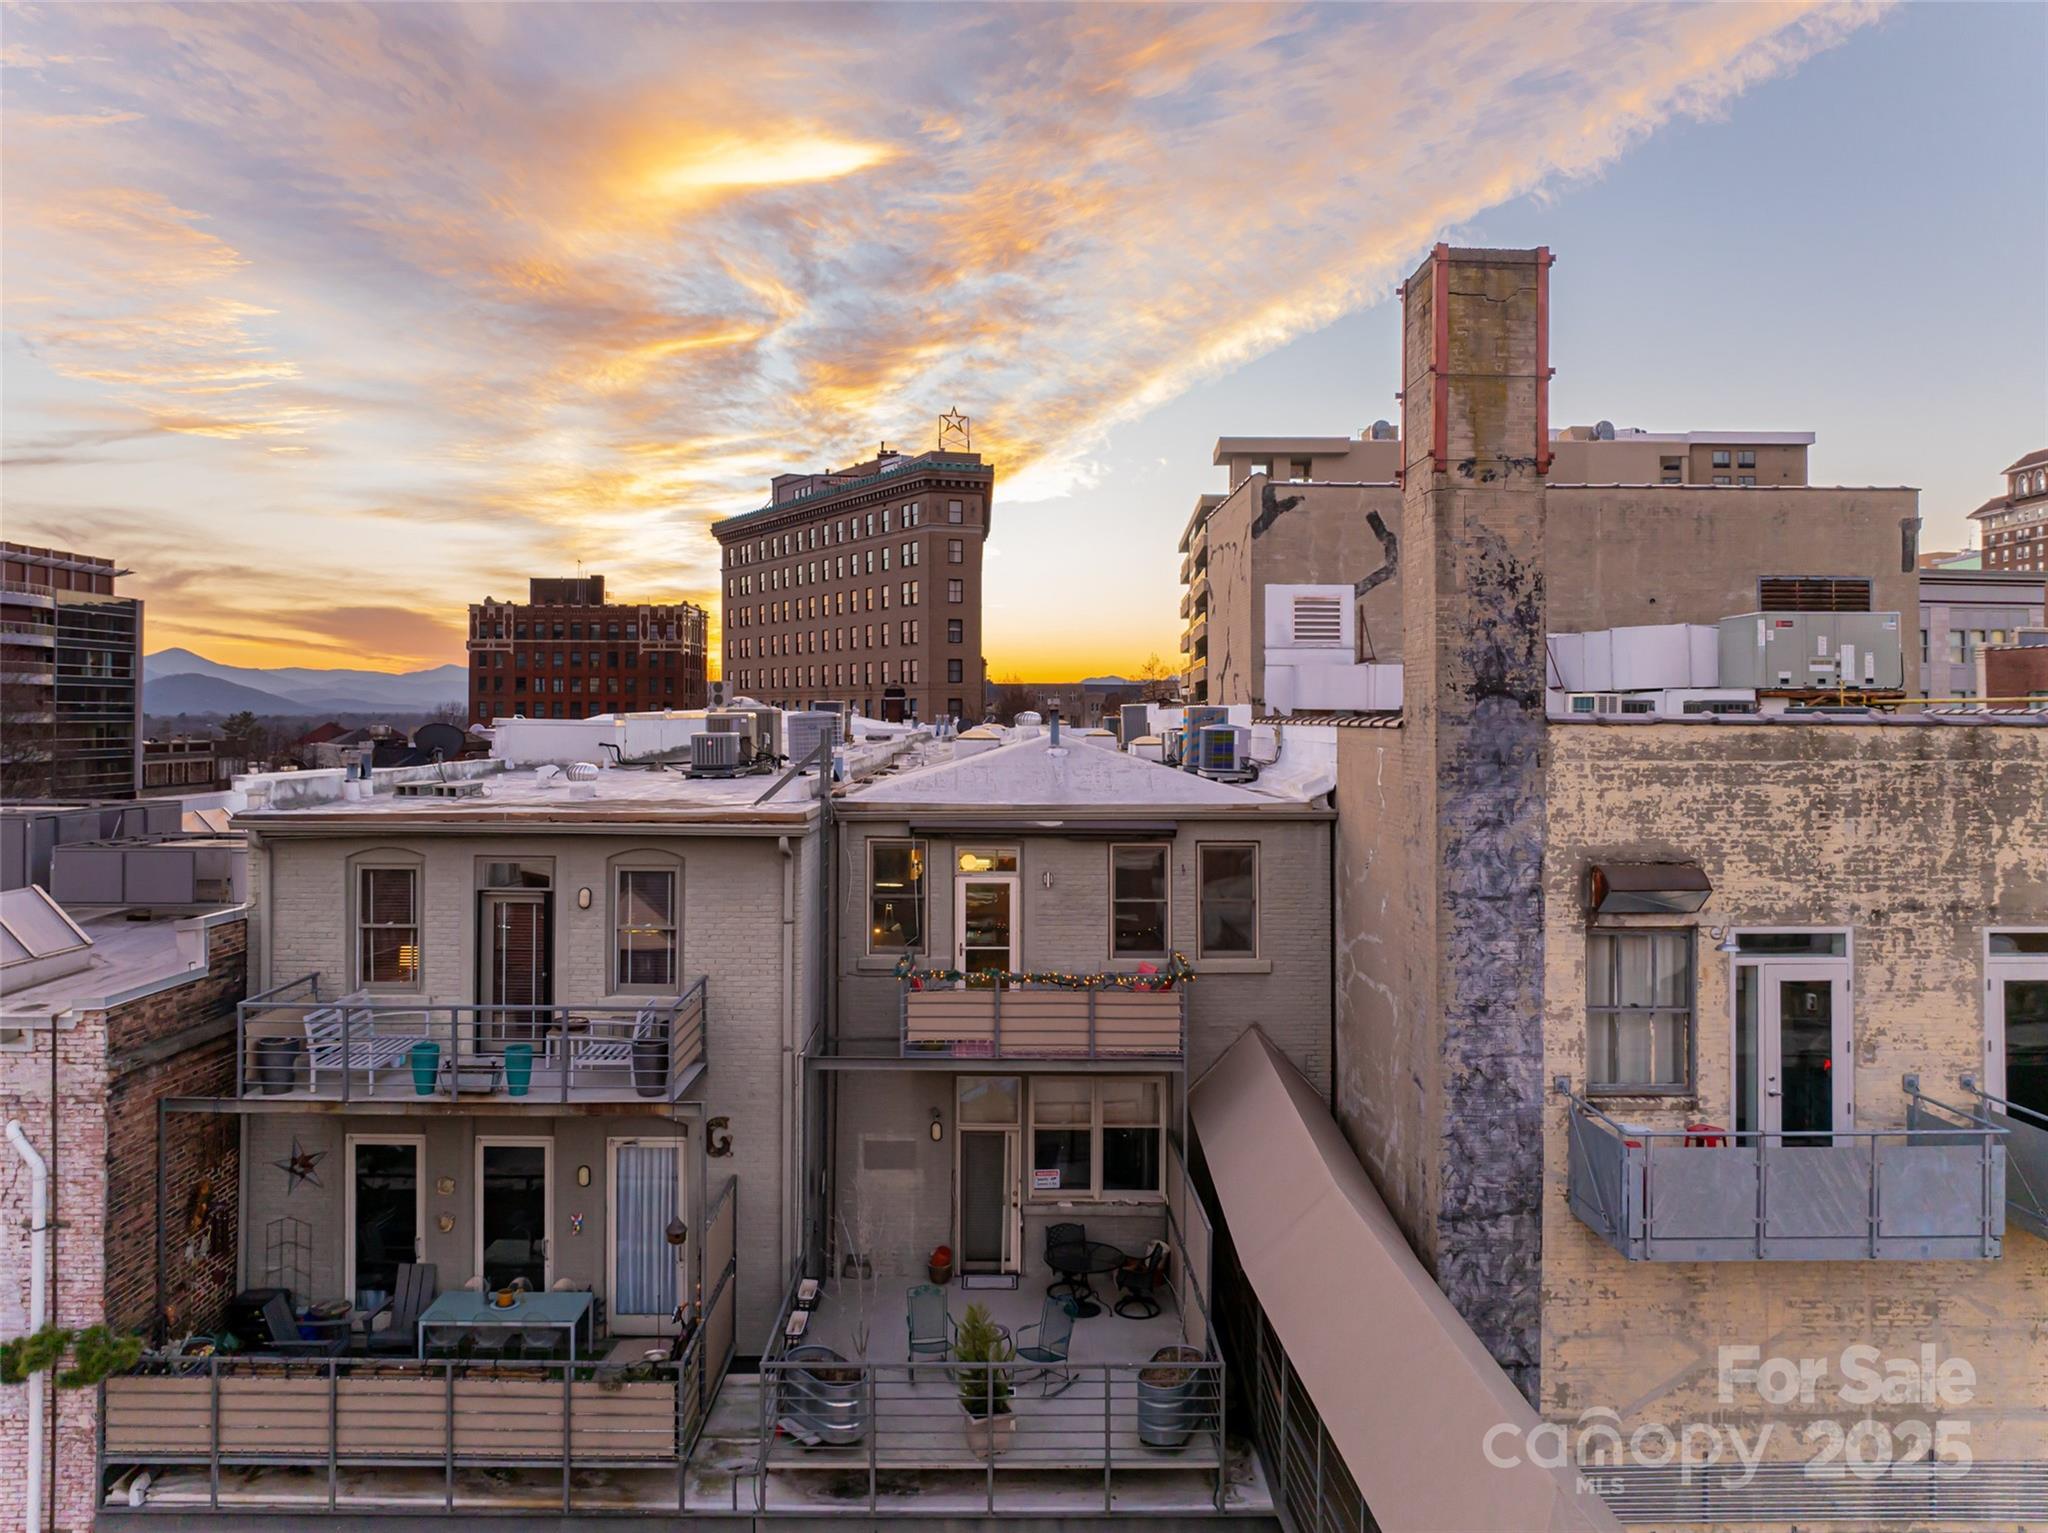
x=984 y=1386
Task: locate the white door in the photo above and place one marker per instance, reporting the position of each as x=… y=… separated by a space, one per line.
x=384 y=1213
x=644 y=1276
x=2016 y=1032
x=515 y=1211
x=986 y=923
x=1804 y=1052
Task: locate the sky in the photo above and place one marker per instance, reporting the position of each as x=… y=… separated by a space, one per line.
x=328 y=321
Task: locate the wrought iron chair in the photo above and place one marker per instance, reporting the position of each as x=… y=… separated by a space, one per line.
x=416 y=1288
x=930 y=1324
x=1047 y=1345
x=1140 y=1283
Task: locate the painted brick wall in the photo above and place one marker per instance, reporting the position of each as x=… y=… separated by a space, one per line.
x=1915 y=839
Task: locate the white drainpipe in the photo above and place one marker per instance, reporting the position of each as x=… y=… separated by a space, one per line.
x=38 y=1303
x=790 y=1237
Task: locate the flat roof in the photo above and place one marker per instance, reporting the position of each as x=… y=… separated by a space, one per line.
x=541 y=795
x=1204 y=504
x=1702 y=438
x=1312 y=445
x=900 y=468
x=128 y=957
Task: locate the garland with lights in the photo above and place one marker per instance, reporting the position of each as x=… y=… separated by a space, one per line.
x=1176 y=971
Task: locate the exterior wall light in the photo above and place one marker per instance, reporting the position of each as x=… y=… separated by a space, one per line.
x=583 y=898
x=938 y=1128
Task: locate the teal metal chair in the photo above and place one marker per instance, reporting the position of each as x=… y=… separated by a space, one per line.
x=1045 y=1345
x=930 y=1324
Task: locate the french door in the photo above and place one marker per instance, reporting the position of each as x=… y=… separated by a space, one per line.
x=985 y=935
x=2016 y=1032
x=644 y=1275
x=514 y=956
x=515 y=1208
x=1795 y=1068
x=988 y=1207
x=385 y=1214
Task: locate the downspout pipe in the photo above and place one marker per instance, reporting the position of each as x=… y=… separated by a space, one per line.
x=38 y=1307
x=792 y=1192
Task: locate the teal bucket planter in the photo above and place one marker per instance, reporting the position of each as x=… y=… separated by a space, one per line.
x=518 y=1068
x=425 y=1059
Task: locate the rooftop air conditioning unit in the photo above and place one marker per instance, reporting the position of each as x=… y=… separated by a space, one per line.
x=1134 y=722
x=716 y=754
x=1221 y=750
x=1169 y=745
x=808 y=728
x=715 y=694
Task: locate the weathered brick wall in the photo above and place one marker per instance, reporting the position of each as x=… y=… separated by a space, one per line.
x=1916 y=839
x=202 y=1155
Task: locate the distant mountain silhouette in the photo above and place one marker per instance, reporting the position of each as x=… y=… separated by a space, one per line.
x=179 y=681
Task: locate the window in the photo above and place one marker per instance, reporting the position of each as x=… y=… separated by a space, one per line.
x=953 y=511
x=895 y=896
x=956 y=670
x=956 y=551
x=644 y=929
x=1720 y=479
x=1097 y=1138
x=956 y=631
x=953 y=708
x=1138 y=901
x=955 y=591
x=1748 y=479
x=1720 y=457
x=1298 y=468
x=1230 y=899
x=387 y=926
x=1745 y=459
x=1639 y=1011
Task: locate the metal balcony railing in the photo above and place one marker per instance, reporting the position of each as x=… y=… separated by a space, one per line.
x=1933 y=1190
x=1020 y=1022
x=2026 y=1157
x=295 y=1041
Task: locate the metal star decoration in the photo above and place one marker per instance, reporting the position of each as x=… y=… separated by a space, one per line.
x=302 y=1165
x=954 y=424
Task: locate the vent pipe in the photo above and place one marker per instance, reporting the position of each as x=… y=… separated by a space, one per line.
x=1055 y=728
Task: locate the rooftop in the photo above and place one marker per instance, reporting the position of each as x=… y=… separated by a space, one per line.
x=1696 y=438
x=951 y=462
x=2037 y=456
x=132 y=953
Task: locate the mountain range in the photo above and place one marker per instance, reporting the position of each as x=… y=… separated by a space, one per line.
x=179 y=681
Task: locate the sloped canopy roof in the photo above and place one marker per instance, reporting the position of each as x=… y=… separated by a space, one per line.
x=1406 y=1391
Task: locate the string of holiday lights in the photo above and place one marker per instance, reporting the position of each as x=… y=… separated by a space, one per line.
x=1176 y=971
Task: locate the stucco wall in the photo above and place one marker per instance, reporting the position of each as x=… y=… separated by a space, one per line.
x=1915 y=839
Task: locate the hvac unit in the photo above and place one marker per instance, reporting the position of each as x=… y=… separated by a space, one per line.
x=829 y=705
x=717 y=754
x=1201 y=715
x=1601 y=704
x=716 y=694
x=1221 y=750
x=1169 y=745
x=1134 y=722
x=808 y=728
x=1812 y=651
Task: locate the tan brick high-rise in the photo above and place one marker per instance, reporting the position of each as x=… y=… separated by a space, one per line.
x=863 y=586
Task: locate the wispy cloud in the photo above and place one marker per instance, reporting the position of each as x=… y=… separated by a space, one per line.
x=546 y=283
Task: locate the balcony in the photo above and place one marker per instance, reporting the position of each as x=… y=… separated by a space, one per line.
x=1043 y=1023
x=28 y=633
x=1198 y=588
x=2026 y=1158
x=1932 y=1191
x=293 y=1043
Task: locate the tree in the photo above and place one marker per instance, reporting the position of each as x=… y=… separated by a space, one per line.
x=243 y=735
x=1154 y=669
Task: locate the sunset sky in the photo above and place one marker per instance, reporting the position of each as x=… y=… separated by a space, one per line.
x=329 y=321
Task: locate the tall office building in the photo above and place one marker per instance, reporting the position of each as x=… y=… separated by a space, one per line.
x=567 y=653
x=862 y=585
x=70 y=677
x=2016 y=523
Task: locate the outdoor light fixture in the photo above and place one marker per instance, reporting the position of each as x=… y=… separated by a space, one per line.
x=938 y=1128
x=677 y=1232
x=583 y=1176
x=583 y=898
x=1728 y=942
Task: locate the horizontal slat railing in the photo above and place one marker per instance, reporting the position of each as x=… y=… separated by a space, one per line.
x=387 y=1049
x=1051 y=1023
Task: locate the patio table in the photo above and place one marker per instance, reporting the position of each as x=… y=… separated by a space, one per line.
x=464 y=1306
x=1077 y=1262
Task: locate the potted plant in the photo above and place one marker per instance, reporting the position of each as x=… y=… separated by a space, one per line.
x=1169 y=1403
x=984 y=1385
x=940 y=1267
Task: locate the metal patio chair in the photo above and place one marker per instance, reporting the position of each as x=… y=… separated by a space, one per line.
x=1046 y=1343
x=930 y=1324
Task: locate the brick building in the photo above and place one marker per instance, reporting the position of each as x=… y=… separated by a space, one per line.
x=138 y=1006
x=567 y=653
x=2015 y=525
x=862 y=585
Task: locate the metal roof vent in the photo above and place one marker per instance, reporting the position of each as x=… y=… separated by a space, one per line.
x=583 y=771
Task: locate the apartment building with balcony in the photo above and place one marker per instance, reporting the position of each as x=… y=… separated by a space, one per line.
x=568 y=653
x=70 y=677
x=1674 y=1042
x=2014 y=525
x=862 y=586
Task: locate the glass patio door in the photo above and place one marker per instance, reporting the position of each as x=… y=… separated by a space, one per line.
x=2016 y=1034
x=988 y=925
x=386 y=1208
x=515 y=951
x=1804 y=1053
x=643 y=1271
x=514 y=1211
x=987 y=1111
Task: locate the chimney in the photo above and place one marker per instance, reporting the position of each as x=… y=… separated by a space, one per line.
x=1475 y=449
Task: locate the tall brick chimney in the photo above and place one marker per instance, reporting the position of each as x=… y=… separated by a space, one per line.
x=1475 y=379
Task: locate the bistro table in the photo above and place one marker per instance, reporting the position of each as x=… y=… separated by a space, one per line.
x=553 y=1310
x=1077 y=1261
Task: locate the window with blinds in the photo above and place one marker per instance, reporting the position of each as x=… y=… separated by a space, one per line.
x=1812 y=593
x=1318 y=620
x=387 y=926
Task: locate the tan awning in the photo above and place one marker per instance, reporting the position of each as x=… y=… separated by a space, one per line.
x=1405 y=1389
